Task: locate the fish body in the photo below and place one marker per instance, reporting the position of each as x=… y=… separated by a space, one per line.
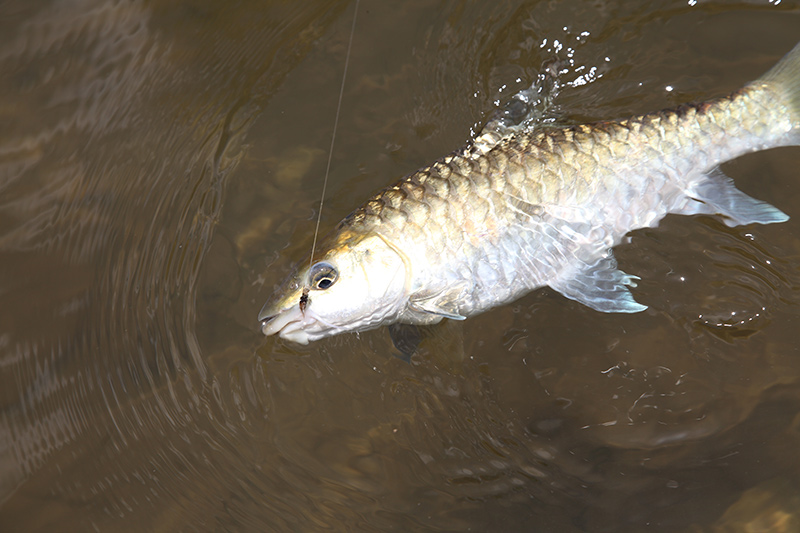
x=534 y=207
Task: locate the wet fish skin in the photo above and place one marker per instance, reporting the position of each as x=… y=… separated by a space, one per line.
x=493 y=221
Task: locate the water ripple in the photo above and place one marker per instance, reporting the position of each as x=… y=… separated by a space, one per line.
x=157 y=155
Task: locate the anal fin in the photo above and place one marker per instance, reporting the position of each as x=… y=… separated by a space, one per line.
x=601 y=286
x=719 y=194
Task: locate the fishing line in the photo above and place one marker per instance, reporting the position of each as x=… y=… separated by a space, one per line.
x=333 y=136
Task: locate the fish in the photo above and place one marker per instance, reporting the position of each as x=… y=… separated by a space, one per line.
x=519 y=208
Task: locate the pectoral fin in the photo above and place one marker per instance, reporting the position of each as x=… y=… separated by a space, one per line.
x=443 y=303
x=601 y=286
x=719 y=194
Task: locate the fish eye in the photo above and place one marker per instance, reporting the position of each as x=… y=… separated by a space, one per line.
x=322 y=276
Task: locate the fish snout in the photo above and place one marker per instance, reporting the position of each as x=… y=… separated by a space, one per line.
x=289 y=324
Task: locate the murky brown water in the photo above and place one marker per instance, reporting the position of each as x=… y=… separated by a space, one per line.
x=160 y=167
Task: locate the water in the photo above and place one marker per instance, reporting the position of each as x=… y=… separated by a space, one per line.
x=160 y=166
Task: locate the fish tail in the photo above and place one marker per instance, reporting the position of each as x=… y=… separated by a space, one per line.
x=785 y=76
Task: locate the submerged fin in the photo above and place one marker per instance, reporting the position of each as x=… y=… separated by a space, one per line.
x=601 y=286
x=406 y=338
x=720 y=195
x=444 y=303
x=524 y=111
x=442 y=344
x=786 y=76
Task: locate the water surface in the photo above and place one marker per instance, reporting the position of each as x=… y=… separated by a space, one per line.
x=160 y=170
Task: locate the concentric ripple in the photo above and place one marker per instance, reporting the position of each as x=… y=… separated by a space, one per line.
x=160 y=167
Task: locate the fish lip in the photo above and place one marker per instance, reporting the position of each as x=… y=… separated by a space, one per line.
x=266 y=314
x=288 y=324
x=264 y=321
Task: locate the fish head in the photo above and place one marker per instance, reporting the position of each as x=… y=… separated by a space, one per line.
x=355 y=284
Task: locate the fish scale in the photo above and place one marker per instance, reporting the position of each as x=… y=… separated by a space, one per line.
x=524 y=208
x=562 y=159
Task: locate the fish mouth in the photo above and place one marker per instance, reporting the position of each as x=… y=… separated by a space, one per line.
x=289 y=324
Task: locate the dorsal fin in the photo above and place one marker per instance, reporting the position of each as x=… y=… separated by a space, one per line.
x=523 y=112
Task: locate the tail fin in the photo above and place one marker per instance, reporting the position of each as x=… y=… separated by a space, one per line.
x=786 y=77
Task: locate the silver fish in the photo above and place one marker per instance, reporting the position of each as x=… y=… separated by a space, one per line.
x=534 y=207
